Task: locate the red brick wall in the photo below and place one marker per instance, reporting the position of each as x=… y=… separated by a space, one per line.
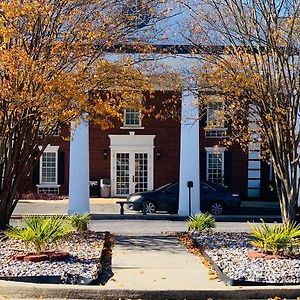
x=239 y=163
x=167 y=141
x=64 y=145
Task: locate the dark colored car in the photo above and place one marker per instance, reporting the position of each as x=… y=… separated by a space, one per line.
x=213 y=198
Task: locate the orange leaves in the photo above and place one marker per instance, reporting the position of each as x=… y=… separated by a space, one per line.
x=51 y=61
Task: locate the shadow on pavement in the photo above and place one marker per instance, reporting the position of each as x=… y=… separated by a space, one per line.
x=149 y=243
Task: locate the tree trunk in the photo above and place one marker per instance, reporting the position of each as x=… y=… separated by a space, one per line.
x=4 y=218
x=288 y=199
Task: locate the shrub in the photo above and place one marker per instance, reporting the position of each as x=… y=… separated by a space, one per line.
x=80 y=222
x=277 y=238
x=39 y=232
x=201 y=222
x=39 y=196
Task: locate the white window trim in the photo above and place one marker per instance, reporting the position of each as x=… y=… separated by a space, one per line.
x=215 y=150
x=49 y=149
x=132 y=127
x=44 y=185
x=127 y=126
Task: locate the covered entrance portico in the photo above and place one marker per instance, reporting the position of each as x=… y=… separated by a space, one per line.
x=131 y=163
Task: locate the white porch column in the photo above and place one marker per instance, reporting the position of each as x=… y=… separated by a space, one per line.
x=79 y=193
x=189 y=155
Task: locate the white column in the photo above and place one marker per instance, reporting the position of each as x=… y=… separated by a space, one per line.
x=79 y=193
x=189 y=155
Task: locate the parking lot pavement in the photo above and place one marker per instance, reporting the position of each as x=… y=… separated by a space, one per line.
x=157 y=227
x=100 y=206
x=54 y=207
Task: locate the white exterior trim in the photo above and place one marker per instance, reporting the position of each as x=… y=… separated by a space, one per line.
x=215 y=150
x=49 y=149
x=131 y=144
x=189 y=154
x=131 y=141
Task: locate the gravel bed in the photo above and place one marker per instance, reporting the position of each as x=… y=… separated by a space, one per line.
x=85 y=251
x=229 y=252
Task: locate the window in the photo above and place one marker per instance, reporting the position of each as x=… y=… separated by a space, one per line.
x=215 y=122
x=132 y=118
x=49 y=168
x=215 y=133
x=215 y=166
x=48 y=190
x=56 y=132
x=213 y=114
x=47 y=171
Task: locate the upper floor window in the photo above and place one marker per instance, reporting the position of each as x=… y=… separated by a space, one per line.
x=132 y=118
x=215 y=120
x=56 y=132
x=214 y=115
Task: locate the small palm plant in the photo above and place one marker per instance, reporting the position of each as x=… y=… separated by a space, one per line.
x=276 y=238
x=80 y=222
x=201 y=222
x=39 y=232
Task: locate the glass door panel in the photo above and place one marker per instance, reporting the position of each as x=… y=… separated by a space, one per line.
x=122 y=174
x=140 y=172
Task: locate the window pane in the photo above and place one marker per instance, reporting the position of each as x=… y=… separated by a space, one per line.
x=215 y=167
x=49 y=167
x=214 y=110
x=132 y=117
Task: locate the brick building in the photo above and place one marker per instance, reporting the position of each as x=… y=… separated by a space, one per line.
x=144 y=153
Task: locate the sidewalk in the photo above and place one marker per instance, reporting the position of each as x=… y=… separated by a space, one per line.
x=147 y=262
x=150 y=267
x=156 y=263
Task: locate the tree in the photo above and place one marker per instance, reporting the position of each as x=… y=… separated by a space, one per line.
x=255 y=71
x=53 y=69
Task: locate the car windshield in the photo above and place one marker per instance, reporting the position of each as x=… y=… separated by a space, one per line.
x=216 y=186
x=163 y=187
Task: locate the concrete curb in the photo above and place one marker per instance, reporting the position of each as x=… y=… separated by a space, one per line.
x=39 y=291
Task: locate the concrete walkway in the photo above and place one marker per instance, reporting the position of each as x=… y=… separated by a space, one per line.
x=156 y=263
x=149 y=267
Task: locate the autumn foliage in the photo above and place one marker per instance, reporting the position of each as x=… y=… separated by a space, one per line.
x=54 y=68
x=254 y=72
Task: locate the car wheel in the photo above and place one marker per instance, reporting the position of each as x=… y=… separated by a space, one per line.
x=150 y=207
x=216 y=208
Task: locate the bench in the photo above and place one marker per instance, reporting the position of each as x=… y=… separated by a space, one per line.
x=122 y=203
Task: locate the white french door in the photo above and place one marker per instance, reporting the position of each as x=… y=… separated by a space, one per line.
x=132 y=172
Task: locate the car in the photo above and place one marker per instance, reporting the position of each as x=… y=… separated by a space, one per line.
x=214 y=198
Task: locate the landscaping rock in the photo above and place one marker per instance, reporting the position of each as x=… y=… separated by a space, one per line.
x=85 y=251
x=234 y=255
